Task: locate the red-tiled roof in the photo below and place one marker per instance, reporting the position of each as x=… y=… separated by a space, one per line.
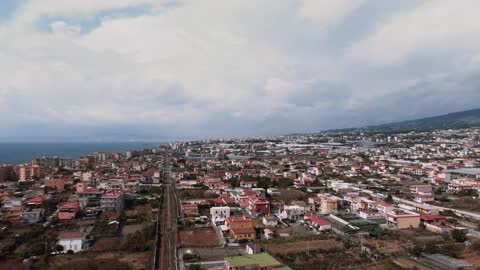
x=242 y=230
x=68 y=235
x=318 y=220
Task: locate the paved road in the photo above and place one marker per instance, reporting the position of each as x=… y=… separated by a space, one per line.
x=473 y=215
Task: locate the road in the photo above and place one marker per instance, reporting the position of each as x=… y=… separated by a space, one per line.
x=166 y=243
x=473 y=215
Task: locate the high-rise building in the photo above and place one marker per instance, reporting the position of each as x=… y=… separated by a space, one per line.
x=7 y=173
x=29 y=171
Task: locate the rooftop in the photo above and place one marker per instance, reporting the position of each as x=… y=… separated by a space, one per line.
x=261 y=259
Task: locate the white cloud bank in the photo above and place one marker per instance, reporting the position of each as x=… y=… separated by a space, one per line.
x=212 y=67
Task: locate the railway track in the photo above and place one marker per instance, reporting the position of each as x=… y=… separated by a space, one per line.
x=166 y=239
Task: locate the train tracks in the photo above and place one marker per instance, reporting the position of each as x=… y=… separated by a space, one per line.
x=166 y=238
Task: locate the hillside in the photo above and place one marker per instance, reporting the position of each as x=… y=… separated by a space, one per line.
x=465 y=119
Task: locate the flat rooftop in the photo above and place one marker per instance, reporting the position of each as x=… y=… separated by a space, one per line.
x=260 y=259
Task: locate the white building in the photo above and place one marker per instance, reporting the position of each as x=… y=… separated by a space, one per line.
x=270 y=221
x=219 y=214
x=74 y=241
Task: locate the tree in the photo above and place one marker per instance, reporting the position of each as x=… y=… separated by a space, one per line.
x=459 y=235
x=59 y=248
x=389 y=198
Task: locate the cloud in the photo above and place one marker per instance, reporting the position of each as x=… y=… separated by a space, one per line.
x=327 y=12
x=223 y=68
x=434 y=28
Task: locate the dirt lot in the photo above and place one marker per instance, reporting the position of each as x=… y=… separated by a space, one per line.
x=199 y=238
x=128 y=229
x=288 y=195
x=295 y=230
x=108 y=243
x=464 y=203
x=12 y=264
x=301 y=246
x=216 y=254
x=136 y=261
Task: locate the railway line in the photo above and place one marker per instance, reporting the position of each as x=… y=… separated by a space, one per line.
x=167 y=234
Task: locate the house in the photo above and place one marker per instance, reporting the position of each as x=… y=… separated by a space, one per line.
x=255 y=261
x=58 y=184
x=243 y=233
x=424 y=198
x=258 y=206
x=274 y=192
x=315 y=203
x=241 y=228
x=268 y=234
x=72 y=241
x=35 y=202
x=11 y=210
x=382 y=207
x=219 y=215
x=248 y=184
x=369 y=214
x=318 y=223
x=329 y=206
x=252 y=248
x=421 y=189
x=270 y=221
x=403 y=219
x=68 y=211
x=32 y=215
x=190 y=210
x=292 y=212
x=114 y=201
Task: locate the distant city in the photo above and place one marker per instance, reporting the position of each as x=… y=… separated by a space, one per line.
x=376 y=200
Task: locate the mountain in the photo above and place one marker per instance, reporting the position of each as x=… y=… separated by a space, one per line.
x=457 y=120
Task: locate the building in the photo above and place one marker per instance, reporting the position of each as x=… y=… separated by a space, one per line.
x=252 y=248
x=58 y=184
x=274 y=192
x=7 y=173
x=190 y=210
x=32 y=215
x=421 y=189
x=258 y=206
x=424 y=198
x=270 y=221
x=72 y=241
x=241 y=228
x=114 y=201
x=318 y=223
x=462 y=173
x=403 y=219
x=248 y=184
x=219 y=215
x=68 y=211
x=292 y=212
x=254 y=261
x=29 y=171
x=329 y=206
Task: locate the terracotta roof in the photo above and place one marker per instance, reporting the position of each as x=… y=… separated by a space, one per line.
x=68 y=235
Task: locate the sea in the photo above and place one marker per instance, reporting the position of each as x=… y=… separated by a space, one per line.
x=22 y=152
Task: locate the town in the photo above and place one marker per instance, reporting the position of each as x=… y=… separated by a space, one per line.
x=329 y=200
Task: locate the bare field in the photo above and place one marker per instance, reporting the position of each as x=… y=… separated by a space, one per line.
x=108 y=243
x=137 y=261
x=199 y=238
x=300 y=246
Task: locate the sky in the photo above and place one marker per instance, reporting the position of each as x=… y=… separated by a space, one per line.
x=156 y=69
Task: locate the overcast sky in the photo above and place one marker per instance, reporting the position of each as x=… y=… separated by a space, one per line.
x=153 y=69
